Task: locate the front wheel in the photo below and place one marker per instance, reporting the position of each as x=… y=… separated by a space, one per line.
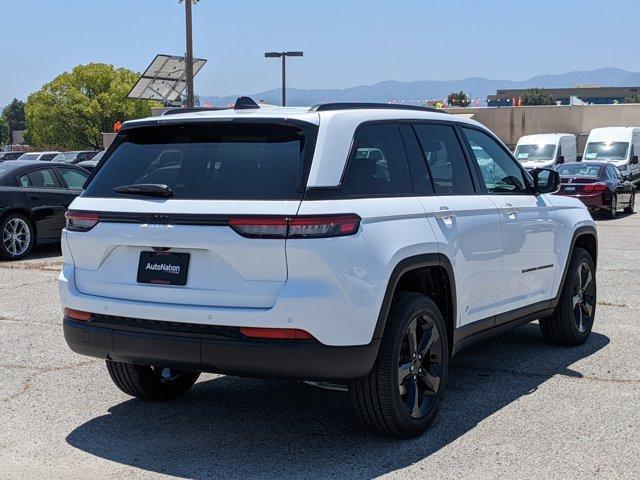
x=572 y=321
x=151 y=383
x=401 y=395
x=613 y=208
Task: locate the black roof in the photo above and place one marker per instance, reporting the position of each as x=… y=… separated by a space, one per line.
x=327 y=107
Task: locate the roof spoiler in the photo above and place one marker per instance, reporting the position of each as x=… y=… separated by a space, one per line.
x=245 y=103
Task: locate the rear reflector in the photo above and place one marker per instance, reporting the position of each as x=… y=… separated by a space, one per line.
x=322 y=226
x=594 y=188
x=77 y=314
x=81 y=222
x=276 y=333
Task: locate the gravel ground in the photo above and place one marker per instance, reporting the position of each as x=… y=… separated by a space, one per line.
x=514 y=407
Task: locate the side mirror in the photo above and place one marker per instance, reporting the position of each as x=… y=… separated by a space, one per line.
x=545 y=180
x=634 y=160
x=561 y=159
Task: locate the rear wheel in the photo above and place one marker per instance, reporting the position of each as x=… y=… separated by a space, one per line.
x=632 y=204
x=151 y=383
x=613 y=208
x=572 y=321
x=17 y=237
x=401 y=395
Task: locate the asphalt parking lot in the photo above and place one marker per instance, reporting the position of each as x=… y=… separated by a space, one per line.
x=514 y=407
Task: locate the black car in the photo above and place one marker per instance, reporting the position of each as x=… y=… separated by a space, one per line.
x=34 y=197
x=9 y=156
x=91 y=164
x=599 y=185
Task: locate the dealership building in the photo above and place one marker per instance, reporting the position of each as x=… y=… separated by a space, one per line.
x=591 y=95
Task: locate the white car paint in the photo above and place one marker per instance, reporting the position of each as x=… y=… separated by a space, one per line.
x=629 y=166
x=564 y=148
x=332 y=288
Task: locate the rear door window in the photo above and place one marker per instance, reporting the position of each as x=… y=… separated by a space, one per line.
x=43 y=178
x=260 y=161
x=74 y=179
x=378 y=164
x=445 y=159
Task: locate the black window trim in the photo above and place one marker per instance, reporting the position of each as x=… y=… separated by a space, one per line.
x=475 y=183
x=476 y=168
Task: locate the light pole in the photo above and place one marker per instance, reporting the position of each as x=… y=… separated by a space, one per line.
x=283 y=56
x=188 y=60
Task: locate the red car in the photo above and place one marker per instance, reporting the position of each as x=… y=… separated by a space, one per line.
x=599 y=185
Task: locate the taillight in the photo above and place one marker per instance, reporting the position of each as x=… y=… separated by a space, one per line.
x=594 y=188
x=81 y=222
x=276 y=333
x=322 y=226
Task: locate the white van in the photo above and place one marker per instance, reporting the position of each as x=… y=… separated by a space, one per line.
x=546 y=150
x=618 y=145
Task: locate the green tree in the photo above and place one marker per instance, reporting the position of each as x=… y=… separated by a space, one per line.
x=458 y=99
x=14 y=114
x=633 y=98
x=75 y=108
x=4 y=132
x=537 y=96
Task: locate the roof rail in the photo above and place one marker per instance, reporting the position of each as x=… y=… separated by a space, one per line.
x=177 y=110
x=328 y=107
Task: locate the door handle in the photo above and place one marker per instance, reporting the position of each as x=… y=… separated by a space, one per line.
x=445 y=214
x=510 y=211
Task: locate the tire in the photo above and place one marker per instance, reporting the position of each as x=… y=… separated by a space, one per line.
x=632 y=204
x=572 y=321
x=17 y=237
x=613 y=209
x=383 y=400
x=151 y=383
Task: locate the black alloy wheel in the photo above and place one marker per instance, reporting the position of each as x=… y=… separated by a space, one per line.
x=420 y=366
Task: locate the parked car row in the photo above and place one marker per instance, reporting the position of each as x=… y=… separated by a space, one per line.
x=619 y=146
x=72 y=158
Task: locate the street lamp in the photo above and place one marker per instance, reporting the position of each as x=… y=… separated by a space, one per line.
x=283 y=56
x=188 y=60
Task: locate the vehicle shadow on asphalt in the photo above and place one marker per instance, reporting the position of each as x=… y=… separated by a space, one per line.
x=233 y=427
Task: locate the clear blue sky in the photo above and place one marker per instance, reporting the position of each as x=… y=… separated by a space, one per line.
x=346 y=42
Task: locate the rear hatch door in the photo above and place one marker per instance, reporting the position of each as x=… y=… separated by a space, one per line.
x=175 y=245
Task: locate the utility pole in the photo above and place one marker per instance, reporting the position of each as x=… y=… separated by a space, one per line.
x=188 y=61
x=283 y=56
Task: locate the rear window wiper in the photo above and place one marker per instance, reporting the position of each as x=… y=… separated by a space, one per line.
x=147 y=189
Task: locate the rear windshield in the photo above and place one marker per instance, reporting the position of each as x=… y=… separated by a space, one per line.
x=212 y=161
x=584 y=171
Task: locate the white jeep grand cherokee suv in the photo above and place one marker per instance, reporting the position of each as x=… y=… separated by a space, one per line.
x=352 y=244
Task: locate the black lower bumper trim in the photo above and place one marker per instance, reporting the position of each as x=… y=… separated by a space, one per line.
x=307 y=360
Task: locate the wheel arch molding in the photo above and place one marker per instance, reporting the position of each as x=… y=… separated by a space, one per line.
x=585 y=237
x=410 y=272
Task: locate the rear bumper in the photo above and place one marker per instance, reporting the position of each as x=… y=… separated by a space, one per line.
x=593 y=202
x=215 y=349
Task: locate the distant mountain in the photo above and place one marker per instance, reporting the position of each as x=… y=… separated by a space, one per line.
x=419 y=91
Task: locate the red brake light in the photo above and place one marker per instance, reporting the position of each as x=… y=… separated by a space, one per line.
x=276 y=333
x=77 y=314
x=322 y=226
x=81 y=222
x=594 y=188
